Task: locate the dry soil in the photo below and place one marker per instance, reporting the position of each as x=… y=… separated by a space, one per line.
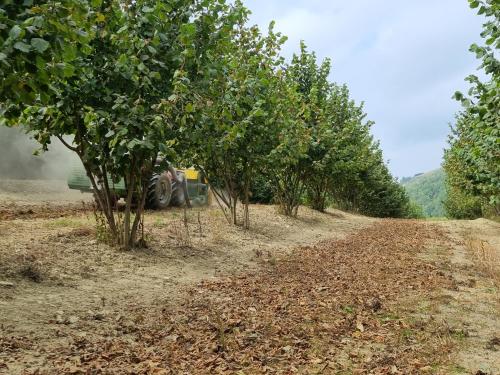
x=331 y=293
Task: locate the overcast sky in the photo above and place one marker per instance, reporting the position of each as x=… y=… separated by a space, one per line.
x=403 y=58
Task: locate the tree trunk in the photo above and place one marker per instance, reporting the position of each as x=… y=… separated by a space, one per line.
x=125 y=243
x=246 y=214
x=234 y=212
x=139 y=213
x=106 y=209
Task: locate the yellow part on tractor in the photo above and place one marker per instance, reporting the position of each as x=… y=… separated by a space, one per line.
x=191 y=174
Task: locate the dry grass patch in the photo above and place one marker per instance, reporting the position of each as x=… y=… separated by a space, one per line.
x=486 y=256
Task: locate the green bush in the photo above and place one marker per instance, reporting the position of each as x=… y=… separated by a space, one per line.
x=262 y=190
x=414 y=211
x=462 y=206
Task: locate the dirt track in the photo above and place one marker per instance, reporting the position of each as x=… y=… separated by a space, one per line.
x=327 y=293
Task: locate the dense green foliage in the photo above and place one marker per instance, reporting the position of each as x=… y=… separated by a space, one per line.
x=114 y=90
x=427 y=191
x=472 y=162
x=459 y=205
x=189 y=80
x=39 y=43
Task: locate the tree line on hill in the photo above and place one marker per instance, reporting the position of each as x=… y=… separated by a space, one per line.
x=192 y=82
x=472 y=161
x=428 y=191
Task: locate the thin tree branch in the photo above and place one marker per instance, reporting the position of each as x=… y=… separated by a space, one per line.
x=72 y=148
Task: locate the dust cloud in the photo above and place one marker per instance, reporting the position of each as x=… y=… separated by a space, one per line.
x=17 y=160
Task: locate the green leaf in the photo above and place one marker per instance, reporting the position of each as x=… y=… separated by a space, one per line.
x=473 y=3
x=123 y=59
x=133 y=143
x=15 y=32
x=69 y=53
x=40 y=44
x=23 y=47
x=122 y=29
x=40 y=63
x=187 y=32
x=67 y=69
x=155 y=75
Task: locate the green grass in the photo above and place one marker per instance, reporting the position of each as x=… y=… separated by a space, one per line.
x=65 y=222
x=457 y=369
x=348 y=309
x=407 y=333
x=159 y=222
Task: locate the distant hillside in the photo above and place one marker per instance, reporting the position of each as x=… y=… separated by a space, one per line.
x=428 y=191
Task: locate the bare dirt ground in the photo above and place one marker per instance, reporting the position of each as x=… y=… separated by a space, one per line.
x=39 y=198
x=330 y=293
x=39 y=192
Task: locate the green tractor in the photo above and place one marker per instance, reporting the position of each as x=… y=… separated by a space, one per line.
x=172 y=187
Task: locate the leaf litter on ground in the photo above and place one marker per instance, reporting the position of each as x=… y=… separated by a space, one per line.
x=326 y=308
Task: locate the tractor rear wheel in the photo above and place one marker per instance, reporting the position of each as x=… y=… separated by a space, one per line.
x=159 y=192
